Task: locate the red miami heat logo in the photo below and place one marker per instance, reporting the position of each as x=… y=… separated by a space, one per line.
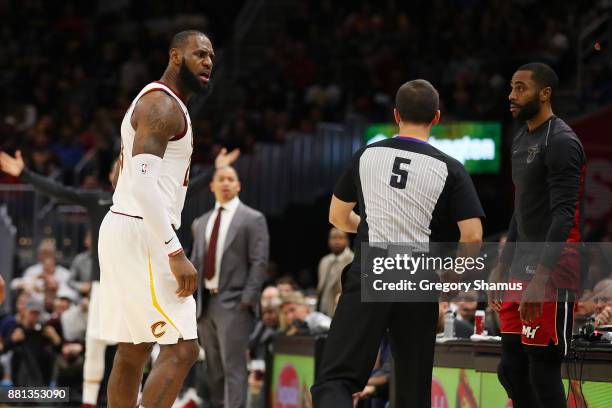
x=154 y=327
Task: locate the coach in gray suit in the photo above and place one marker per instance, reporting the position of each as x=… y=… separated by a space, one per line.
x=230 y=249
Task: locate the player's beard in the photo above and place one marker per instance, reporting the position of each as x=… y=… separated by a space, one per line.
x=190 y=81
x=529 y=109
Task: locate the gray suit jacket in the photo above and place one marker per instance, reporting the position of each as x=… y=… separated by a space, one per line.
x=244 y=261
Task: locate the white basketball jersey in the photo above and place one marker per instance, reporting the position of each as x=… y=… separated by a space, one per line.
x=174 y=175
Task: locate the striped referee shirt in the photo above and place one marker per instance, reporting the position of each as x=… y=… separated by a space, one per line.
x=407 y=191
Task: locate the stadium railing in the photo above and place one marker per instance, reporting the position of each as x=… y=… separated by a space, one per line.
x=36 y=217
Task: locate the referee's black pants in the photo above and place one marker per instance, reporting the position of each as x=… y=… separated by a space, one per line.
x=352 y=346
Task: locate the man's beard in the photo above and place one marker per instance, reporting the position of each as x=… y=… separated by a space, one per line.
x=529 y=109
x=191 y=82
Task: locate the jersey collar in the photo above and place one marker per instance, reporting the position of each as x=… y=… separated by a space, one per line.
x=411 y=139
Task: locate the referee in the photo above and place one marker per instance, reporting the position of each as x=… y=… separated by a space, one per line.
x=408 y=192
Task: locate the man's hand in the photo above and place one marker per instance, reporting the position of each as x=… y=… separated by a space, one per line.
x=604 y=318
x=13 y=166
x=368 y=391
x=498 y=275
x=50 y=333
x=185 y=274
x=533 y=297
x=85 y=288
x=72 y=349
x=18 y=335
x=225 y=159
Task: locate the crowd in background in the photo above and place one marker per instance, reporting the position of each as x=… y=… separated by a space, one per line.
x=69 y=71
x=42 y=341
x=340 y=59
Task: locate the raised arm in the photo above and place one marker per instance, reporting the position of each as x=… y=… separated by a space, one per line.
x=15 y=167
x=203 y=179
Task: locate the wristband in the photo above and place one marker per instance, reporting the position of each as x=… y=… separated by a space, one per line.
x=175 y=253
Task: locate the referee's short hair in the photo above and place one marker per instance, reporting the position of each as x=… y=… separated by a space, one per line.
x=542 y=74
x=417 y=102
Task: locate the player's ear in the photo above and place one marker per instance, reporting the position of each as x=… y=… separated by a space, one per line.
x=545 y=94
x=175 y=56
x=396 y=116
x=436 y=118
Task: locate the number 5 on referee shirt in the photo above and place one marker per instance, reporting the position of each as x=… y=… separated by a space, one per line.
x=399 y=178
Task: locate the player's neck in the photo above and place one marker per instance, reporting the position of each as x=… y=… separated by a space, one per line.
x=414 y=131
x=542 y=116
x=171 y=80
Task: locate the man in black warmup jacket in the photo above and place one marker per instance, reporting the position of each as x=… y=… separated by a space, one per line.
x=548 y=170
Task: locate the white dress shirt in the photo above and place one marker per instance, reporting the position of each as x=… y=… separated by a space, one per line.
x=229 y=209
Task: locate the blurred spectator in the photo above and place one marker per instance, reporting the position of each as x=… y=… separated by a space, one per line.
x=46 y=270
x=34 y=345
x=466 y=307
x=298 y=317
x=602 y=297
x=463 y=329
x=70 y=361
x=80 y=269
x=600 y=265
x=286 y=285
x=74 y=321
x=265 y=329
x=376 y=393
x=330 y=270
x=270 y=296
x=69 y=369
x=45 y=281
x=585 y=307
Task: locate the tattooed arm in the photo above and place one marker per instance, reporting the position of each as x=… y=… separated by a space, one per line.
x=157 y=118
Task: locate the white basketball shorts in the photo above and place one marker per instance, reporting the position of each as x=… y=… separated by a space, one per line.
x=137 y=301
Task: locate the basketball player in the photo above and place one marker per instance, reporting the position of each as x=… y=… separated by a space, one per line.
x=97 y=203
x=548 y=169
x=146 y=281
